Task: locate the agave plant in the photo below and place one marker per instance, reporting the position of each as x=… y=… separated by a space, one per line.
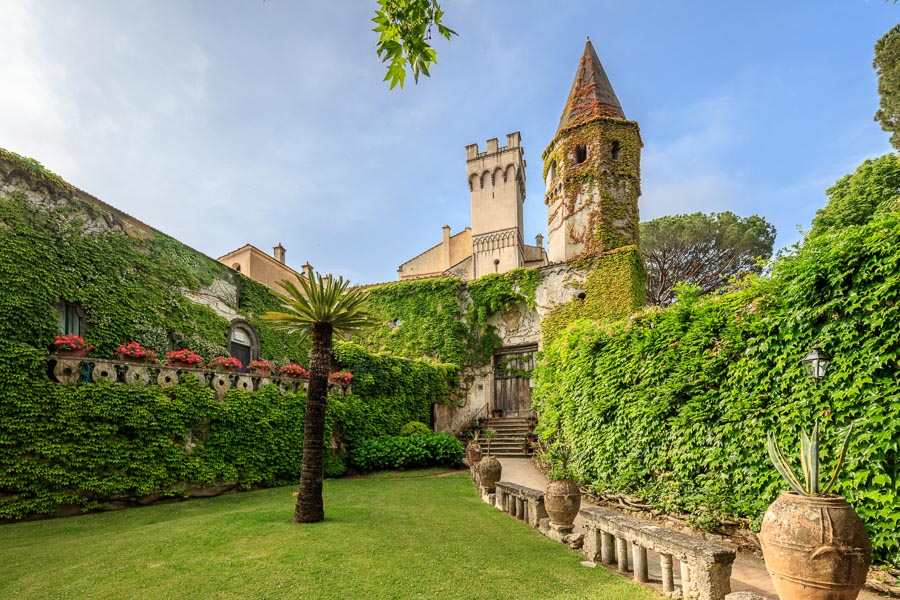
x=809 y=462
x=488 y=435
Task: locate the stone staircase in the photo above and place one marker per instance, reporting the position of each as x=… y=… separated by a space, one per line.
x=510 y=435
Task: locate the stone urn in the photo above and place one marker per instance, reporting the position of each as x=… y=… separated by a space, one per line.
x=562 y=499
x=473 y=453
x=815 y=547
x=489 y=470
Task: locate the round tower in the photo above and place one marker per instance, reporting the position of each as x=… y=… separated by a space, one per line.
x=592 y=170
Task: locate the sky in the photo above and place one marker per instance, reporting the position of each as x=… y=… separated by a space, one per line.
x=266 y=122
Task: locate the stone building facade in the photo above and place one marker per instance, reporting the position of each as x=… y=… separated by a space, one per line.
x=259 y=266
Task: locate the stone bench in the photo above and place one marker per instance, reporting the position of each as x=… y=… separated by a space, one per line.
x=705 y=565
x=523 y=503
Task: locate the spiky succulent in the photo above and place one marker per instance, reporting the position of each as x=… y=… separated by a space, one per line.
x=809 y=462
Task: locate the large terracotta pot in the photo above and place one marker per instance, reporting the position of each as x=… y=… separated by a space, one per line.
x=816 y=548
x=562 y=499
x=473 y=453
x=489 y=470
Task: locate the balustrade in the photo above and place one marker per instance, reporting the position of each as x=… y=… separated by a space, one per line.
x=68 y=370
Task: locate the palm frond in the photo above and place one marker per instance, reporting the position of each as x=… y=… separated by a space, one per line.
x=316 y=299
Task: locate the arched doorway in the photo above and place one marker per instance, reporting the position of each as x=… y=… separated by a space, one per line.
x=243 y=342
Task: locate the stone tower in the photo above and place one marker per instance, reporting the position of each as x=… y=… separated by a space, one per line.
x=592 y=170
x=497 y=185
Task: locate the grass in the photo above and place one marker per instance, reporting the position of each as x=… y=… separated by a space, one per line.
x=409 y=537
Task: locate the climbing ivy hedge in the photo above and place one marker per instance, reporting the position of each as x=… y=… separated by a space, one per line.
x=614 y=287
x=444 y=318
x=84 y=446
x=673 y=405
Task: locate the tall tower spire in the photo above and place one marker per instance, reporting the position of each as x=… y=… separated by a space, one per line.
x=592 y=169
x=592 y=94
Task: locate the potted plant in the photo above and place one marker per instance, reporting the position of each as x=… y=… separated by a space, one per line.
x=489 y=469
x=71 y=345
x=225 y=363
x=814 y=544
x=293 y=371
x=473 y=450
x=186 y=359
x=134 y=352
x=497 y=413
x=562 y=498
x=340 y=378
x=262 y=368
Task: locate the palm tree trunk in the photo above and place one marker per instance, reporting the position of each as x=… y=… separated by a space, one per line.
x=310 y=507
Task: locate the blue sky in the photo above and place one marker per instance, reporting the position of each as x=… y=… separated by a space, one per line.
x=245 y=121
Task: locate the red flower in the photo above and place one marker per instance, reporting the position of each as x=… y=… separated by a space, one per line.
x=341 y=377
x=187 y=357
x=295 y=371
x=135 y=350
x=71 y=342
x=261 y=365
x=226 y=363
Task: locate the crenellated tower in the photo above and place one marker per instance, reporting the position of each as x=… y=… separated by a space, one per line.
x=497 y=185
x=592 y=170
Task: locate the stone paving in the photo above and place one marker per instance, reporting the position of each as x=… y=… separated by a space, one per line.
x=748 y=572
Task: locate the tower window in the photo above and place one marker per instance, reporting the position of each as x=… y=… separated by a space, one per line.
x=615 y=151
x=580 y=154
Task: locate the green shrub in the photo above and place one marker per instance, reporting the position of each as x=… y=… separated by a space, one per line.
x=335 y=465
x=405 y=452
x=414 y=427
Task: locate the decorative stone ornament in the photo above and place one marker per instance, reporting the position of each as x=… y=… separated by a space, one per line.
x=167 y=378
x=221 y=383
x=104 y=371
x=815 y=548
x=137 y=375
x=244 y=382
x=562 y=501
x=67 y=371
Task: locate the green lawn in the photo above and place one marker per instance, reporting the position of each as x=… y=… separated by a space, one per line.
x=426 y=537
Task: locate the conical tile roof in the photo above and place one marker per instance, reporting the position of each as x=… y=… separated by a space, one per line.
x=591 y=95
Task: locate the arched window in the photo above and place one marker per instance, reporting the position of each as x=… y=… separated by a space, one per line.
x=580 y=154
x=551 y=175
x=70 y=317
x=243 y=342
x=236 y=267
x=615 y=150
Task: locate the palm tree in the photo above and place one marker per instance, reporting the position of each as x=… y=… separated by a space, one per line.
x=319 y=308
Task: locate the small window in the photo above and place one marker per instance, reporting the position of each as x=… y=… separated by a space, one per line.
x=70 y=318
x=236 y=267
x=551 y=175
x=616 y=149
x=580 y=154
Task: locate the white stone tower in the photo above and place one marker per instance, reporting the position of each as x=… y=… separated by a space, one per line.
x=497 y=185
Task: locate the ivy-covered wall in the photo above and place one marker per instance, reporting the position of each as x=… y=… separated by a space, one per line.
x=673 y=406
x=65 y=448
x=59 y=244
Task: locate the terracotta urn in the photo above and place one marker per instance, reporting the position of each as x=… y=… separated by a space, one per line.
x=562 y=499
x=489 y=470
x=473 y=453
x=815 y=547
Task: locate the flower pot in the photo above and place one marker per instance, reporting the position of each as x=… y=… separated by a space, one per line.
x=261 y=373
x=562 y=499
x=497 y=413
x=71 y=353
x=184 y=365
x=473 y=453
x=489 y=470
x=815 y=548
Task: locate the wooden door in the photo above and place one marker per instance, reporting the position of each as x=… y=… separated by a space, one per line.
x=512 y=380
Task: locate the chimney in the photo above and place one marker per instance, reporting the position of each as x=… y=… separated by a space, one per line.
x=539 y=241
x=306 y=266
x=445 y=248
x=278 y=251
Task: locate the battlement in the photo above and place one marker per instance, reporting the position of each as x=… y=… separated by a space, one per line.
x=513 y=141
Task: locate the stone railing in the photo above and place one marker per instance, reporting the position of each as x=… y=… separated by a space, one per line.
x=523 y=503
x=705 y=566
x=71 y=370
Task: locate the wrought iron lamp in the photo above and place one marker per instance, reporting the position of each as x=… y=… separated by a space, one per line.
x=815 y=364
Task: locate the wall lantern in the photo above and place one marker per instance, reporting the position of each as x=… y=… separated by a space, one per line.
x=815 y=363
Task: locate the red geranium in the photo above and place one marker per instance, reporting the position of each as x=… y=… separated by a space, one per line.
x=71 y=342
x=295 y=371
x=225 y=363
x=135 y=351
x=341 y=377
x=185 y=357
x=261 y=366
